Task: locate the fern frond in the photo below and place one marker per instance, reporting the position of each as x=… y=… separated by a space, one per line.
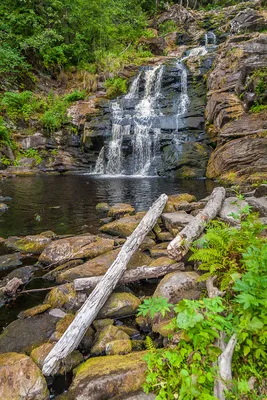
x=150 y=344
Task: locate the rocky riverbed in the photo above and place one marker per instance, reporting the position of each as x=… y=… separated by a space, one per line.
x=109 y=360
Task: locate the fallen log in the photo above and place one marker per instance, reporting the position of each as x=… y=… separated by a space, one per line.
x=133 y=275
x=11 y=287
x=88 y=312
x=180 y=245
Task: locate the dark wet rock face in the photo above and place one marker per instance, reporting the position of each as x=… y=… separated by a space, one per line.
x=238 y=129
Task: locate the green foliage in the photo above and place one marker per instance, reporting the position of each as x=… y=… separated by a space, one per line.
x=115 y=87
x=251 y=299
x=256 y=108
x=75 y=95
x=29 y=153
x=54 y=34
x=150 y=344
x=5 y=134
x=154 y=305
x=5 y=161
x=21 y=105
x=220 y=251
x=186 y=372
x=55 y=114
x=167 y=27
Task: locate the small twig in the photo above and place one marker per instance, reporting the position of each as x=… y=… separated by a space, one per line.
x=37 y=290
x=213 y=291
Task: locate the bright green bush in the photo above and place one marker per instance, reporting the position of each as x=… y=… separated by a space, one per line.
x=187 y=370
x=55 y=115
x=21 y=104
x=75 y=95
x=167 y=27
x=115 y=87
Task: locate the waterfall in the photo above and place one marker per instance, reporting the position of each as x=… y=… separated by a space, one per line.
x=183 y=104
x=145 y=137
x=133 y=91
x=144 y=112
x=100 y=163
x=210 y=39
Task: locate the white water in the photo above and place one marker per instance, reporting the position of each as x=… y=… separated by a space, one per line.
x=144 y=142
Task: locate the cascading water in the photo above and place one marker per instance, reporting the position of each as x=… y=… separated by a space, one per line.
x=146 y=119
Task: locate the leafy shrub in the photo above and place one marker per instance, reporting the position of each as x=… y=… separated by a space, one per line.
x=153 y=306
x=220 y=251
x=55 y=116
x=5 y=135
x=21 y=105
x=167 y=27
x=75 y=96
x=11 y=62
x=115 y=87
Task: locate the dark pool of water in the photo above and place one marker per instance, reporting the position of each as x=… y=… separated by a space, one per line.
x=66 y=203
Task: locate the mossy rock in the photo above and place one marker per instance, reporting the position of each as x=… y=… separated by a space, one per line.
x=106 y=377
x=120 y=305
x=106 y=335
x=29 y=244
x=102 y=208
x=162 y=261
x=20 y=378
x=123 y=227
x=62 y=326
x=102 y=323
x=119 y=347
x=63 y=296
x=175 y=200
x=71 y=361
x=120 y=209
x=31 y=312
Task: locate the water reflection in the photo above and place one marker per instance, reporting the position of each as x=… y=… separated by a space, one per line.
x=66 y=204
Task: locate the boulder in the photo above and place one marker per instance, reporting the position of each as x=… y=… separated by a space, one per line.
x=258 y=204
x=123 y=227
x=164 y=236
x=62 y=326
x=178 y=286
x=99 y=266
x=34 y=244
x=21 y=379
x=119 y=347
x=106 y=335
x=177 y=13
x=222 y=108
x=10 y=261
x=71 y=361
x=176 y=221
x=23 y=335
x=63 y=296
x=119 y=305
x=102 y=208
x=162 y=261
x=22 y=273
x=232 y=205
x=87 y=246
x=105 y=377
x=176 y=200
x=102 y=323
x=261 y=191
x=31 y=312
x=120 y=209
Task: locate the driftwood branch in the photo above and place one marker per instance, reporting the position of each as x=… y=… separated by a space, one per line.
x=88 y=312
x=180 y=245
x=225 y=367
x=224 y=363
x=213 y=291
x=133 y=275
x=11 y=287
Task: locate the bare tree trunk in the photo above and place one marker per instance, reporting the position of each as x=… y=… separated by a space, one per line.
x=180 y=245
x=88 y=312
x=130 y=276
